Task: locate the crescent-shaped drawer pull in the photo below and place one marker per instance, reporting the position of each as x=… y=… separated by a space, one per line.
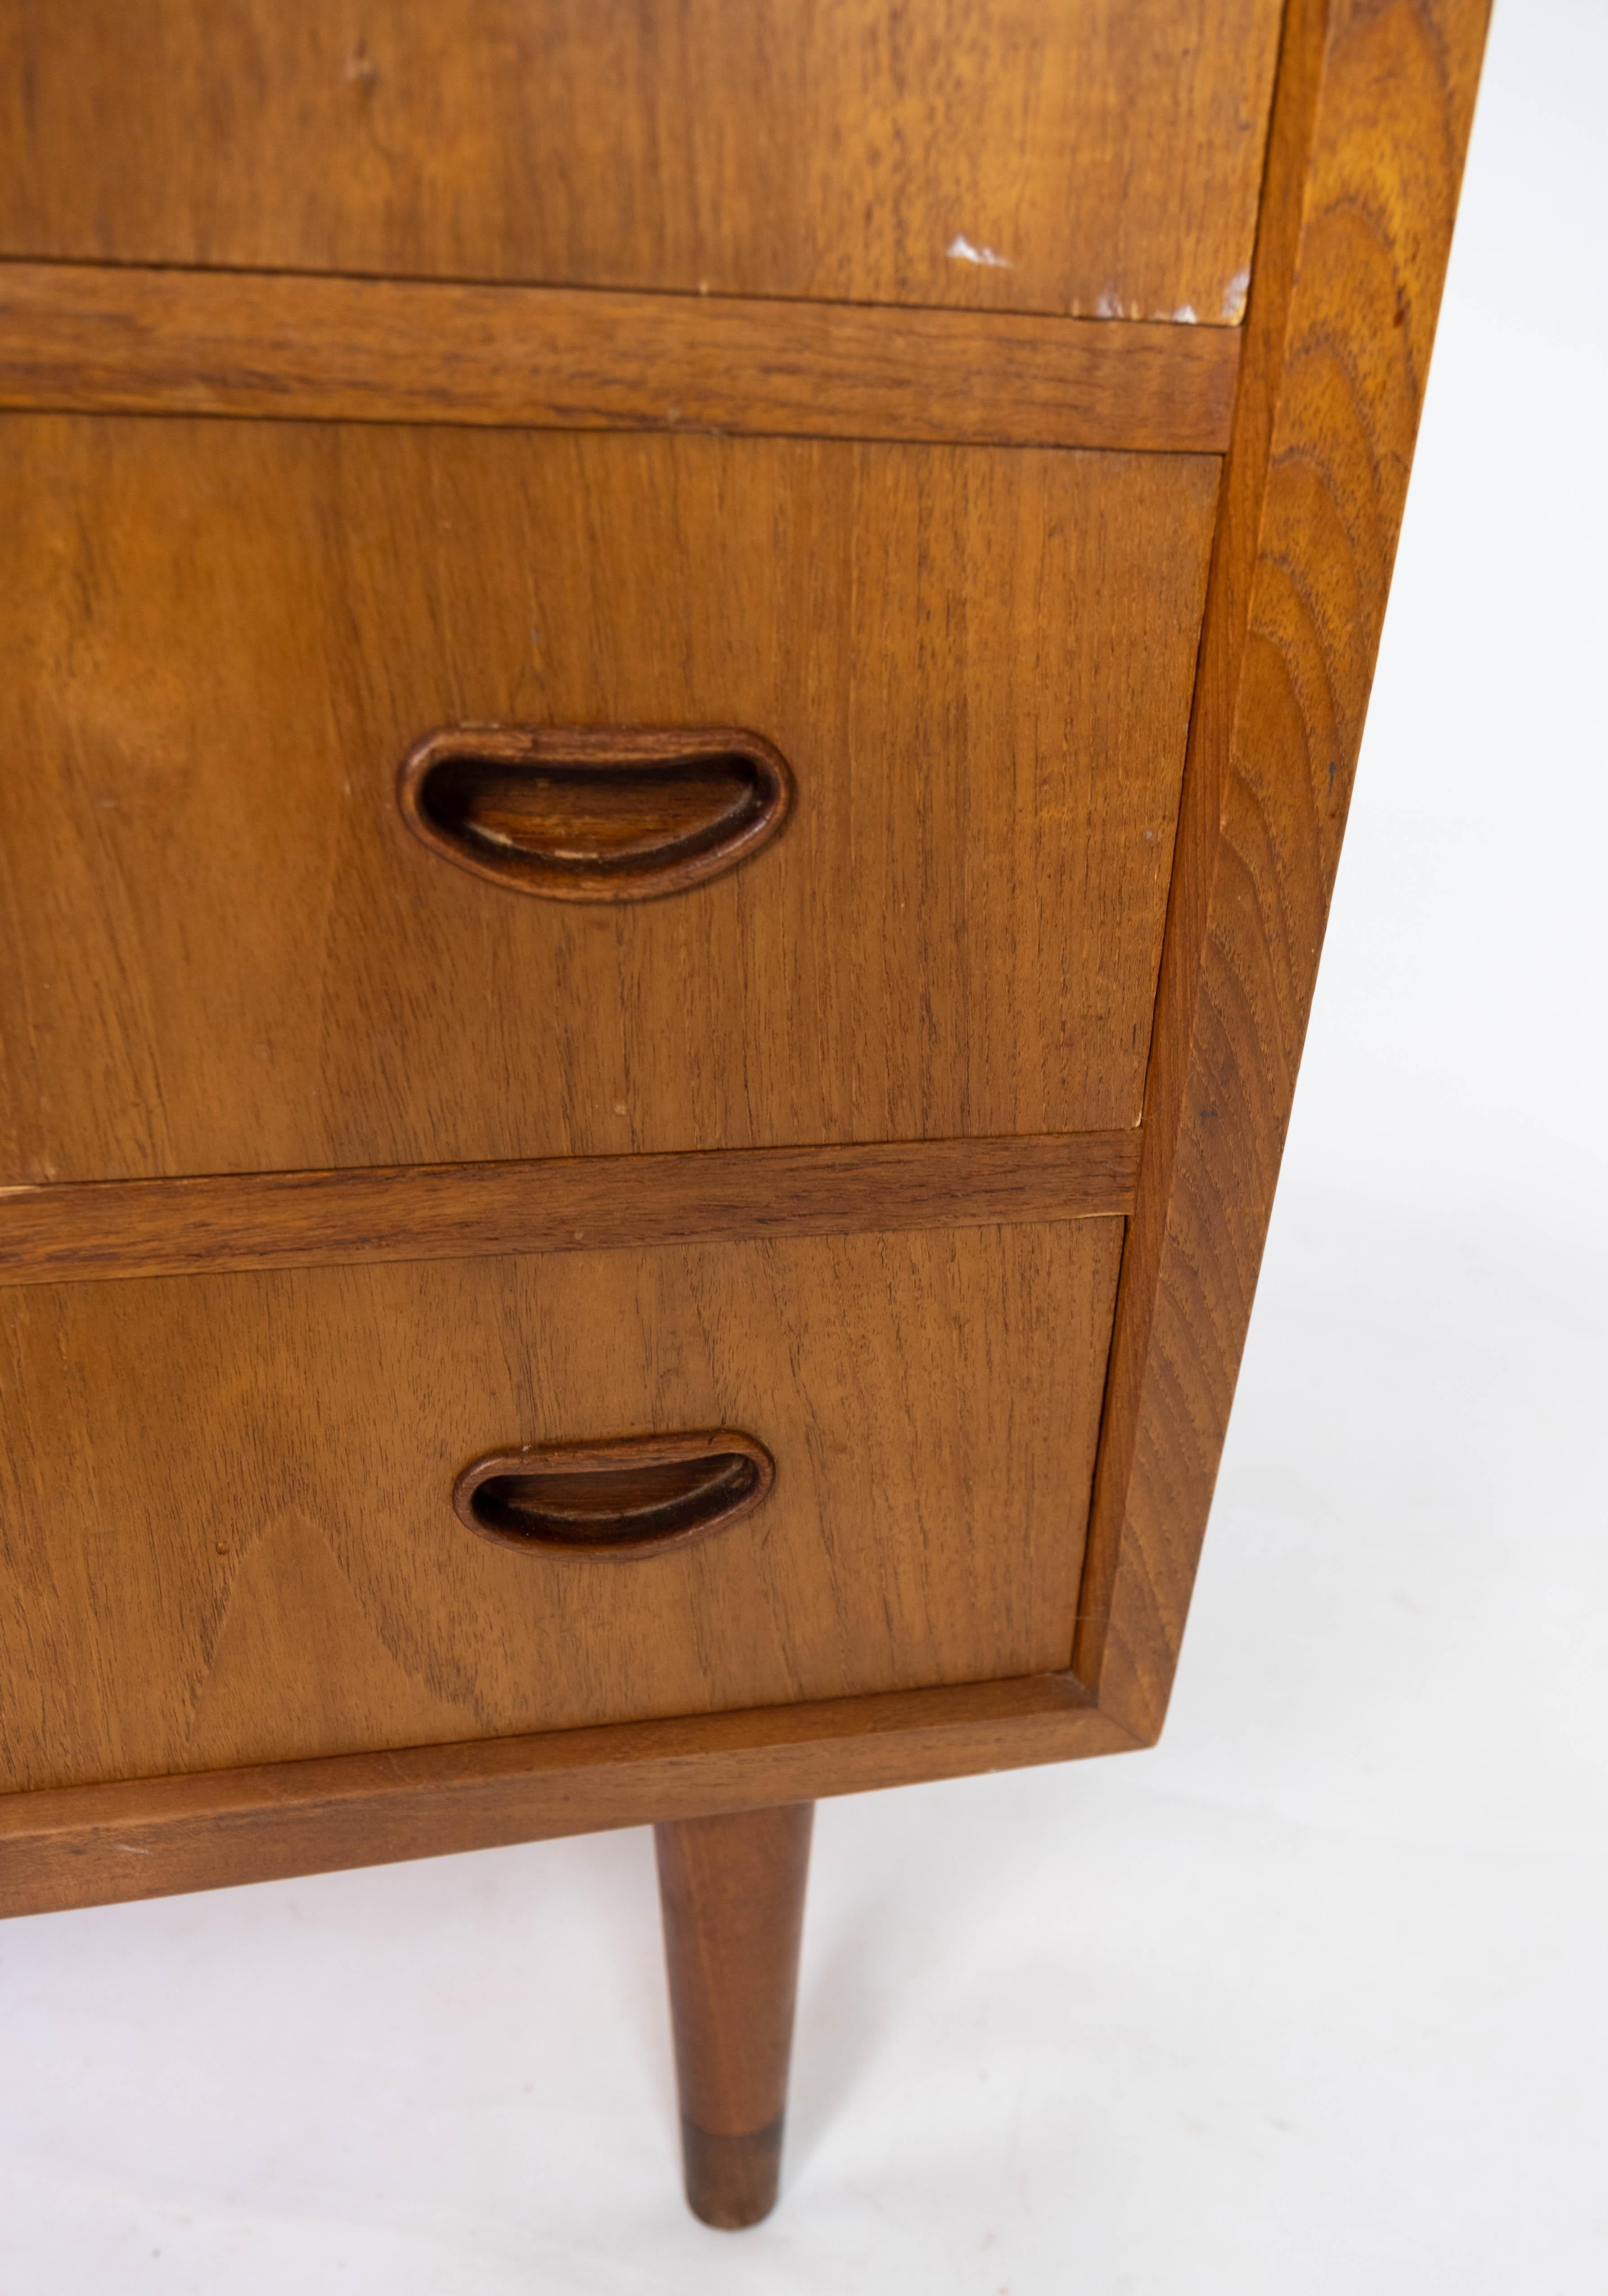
x=635 y=1494
x=589 y=815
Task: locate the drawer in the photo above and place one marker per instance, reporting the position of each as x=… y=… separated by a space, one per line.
x=227 y=953
x=227 y=1530
x=1076 y=156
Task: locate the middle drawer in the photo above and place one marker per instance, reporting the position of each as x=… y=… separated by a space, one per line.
x=230 y=954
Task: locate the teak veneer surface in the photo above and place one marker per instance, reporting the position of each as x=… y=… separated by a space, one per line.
x=151 y=595
x=113 y=1228
x=226 y=1501
x=86 y=340
x=1096 y=157
x=1374 y=105
x=147 y=1838
x=224 y=952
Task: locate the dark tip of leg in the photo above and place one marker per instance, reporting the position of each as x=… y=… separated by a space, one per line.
x=731 y=2181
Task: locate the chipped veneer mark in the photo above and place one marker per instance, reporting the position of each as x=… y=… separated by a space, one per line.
x=1111 y=306
x=960 y=249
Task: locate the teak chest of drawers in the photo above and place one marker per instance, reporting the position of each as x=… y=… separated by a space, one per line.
x=679 y=684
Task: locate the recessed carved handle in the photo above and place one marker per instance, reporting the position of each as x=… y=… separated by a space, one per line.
x=585 y=815
x=635 y=1494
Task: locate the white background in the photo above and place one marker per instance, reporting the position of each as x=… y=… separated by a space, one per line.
x=1310 y=2000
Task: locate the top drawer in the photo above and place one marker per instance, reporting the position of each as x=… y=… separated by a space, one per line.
x=1084 y=156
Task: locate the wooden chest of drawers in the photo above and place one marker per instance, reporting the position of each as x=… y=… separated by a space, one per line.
x=679 y=694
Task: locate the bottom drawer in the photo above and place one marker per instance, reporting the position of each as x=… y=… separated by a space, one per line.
x=227 y=1531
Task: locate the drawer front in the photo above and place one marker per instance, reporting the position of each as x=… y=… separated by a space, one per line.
x=1078 y=156
x=224 y=951
x=226 y=1519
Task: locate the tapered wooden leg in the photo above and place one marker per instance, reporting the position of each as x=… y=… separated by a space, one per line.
x=732 y=1890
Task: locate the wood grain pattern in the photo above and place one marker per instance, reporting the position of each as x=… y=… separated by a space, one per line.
x=979 y=660
x=1106 y=154
x=119 y=1228
x=226 y=1502
x=101 y=1845
x=91 y=340
x=732 y=1890
x=224 y=952
x=1369 y=133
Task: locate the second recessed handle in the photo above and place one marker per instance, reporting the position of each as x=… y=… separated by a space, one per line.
x=634 y=1494
x=585 y=813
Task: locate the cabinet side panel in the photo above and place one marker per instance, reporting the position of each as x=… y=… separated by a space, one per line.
x=1370 y=128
